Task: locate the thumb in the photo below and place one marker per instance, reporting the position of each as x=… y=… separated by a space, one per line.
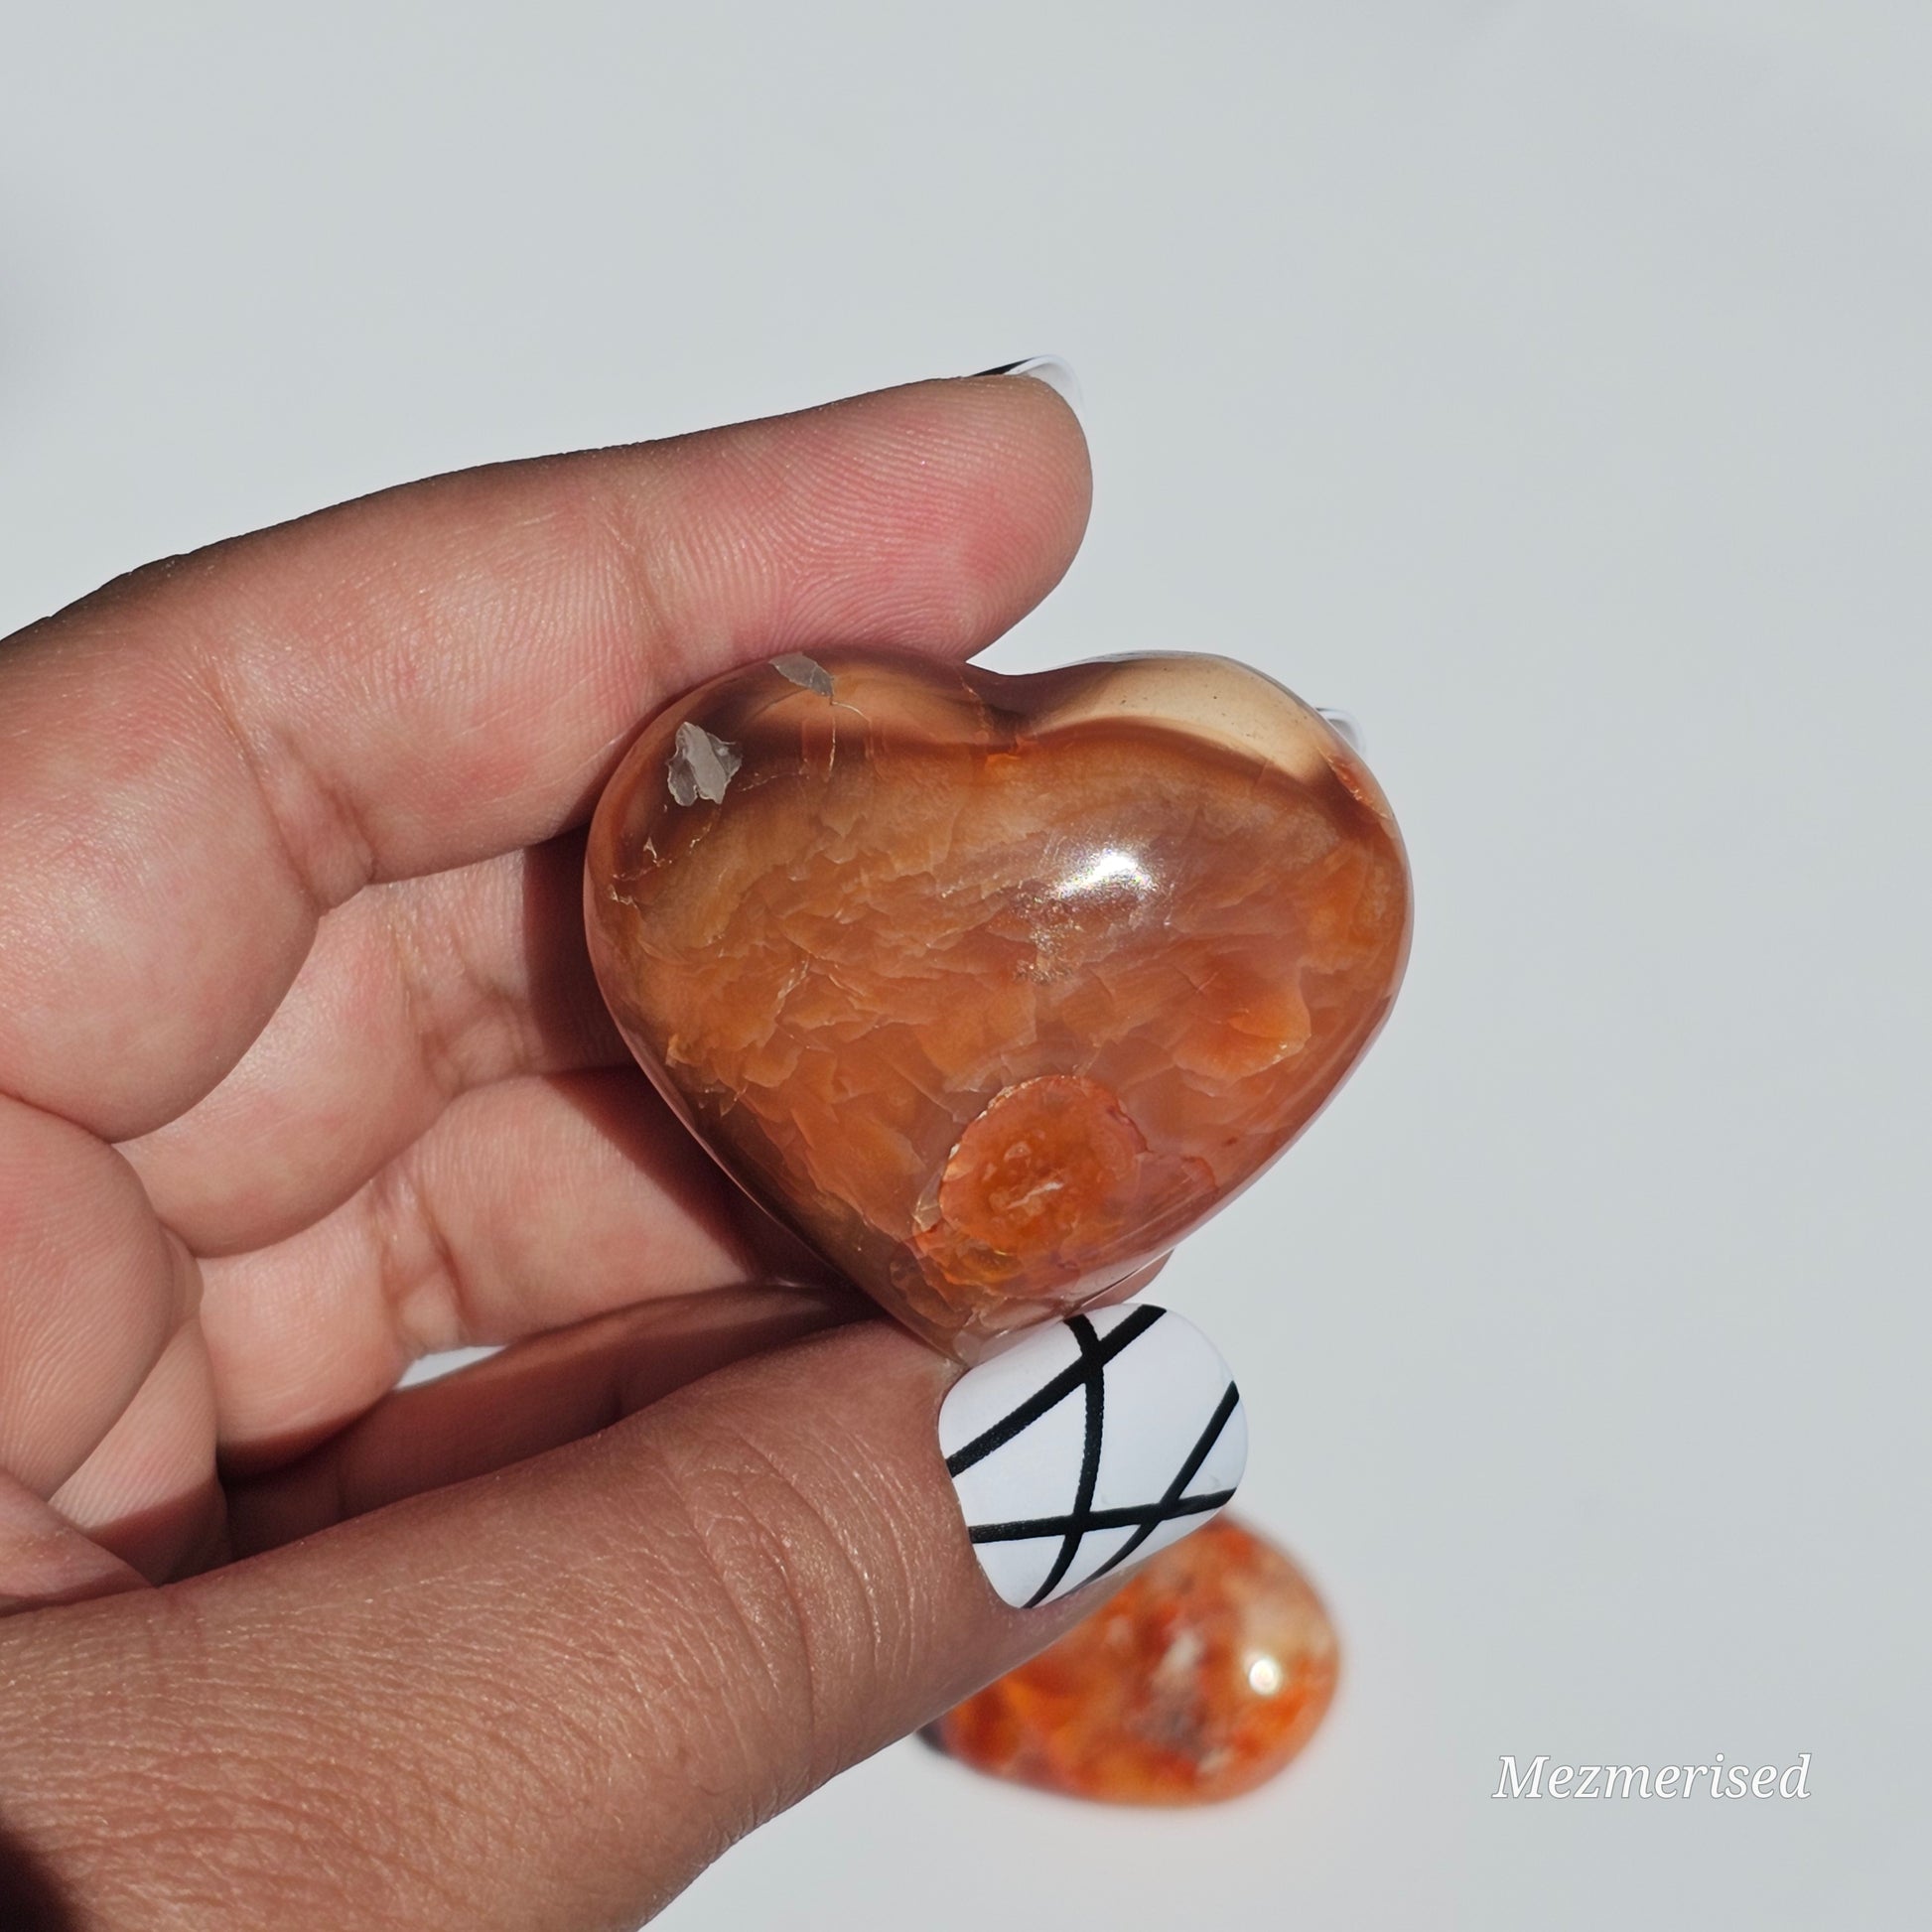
x=551 y=1695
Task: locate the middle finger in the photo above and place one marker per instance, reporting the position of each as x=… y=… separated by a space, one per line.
x=530 y=1204
x=413 y=994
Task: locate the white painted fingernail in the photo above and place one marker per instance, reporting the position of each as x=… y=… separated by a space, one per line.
x=1090 y=1443
x=1057 y=375
x=1345 y=726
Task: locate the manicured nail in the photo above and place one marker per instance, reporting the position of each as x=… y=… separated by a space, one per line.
x=1057 y=375
x=1091 y=1443
x=1345 y=726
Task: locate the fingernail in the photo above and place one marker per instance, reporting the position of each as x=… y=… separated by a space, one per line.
x=1057 y=375
x=1089 y=1444
x=1345 y=726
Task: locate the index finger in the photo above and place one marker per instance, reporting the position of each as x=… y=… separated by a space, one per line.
x=198 y=761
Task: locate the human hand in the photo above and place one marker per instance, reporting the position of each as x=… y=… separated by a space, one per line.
x=302 y=1074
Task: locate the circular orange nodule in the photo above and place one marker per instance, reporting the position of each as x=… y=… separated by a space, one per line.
x=1049 y=1164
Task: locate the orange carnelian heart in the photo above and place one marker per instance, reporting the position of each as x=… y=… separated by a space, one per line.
x=994 y=987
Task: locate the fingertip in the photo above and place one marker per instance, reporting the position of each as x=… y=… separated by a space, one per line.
x=994 y=483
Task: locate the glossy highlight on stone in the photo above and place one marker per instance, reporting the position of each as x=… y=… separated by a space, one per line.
x=1197 y=1681
x=995 y=987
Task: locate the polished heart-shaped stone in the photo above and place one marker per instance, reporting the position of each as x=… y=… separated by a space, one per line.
x=992 y=987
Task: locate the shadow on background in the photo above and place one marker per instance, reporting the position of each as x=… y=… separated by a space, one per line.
x=30 y=1901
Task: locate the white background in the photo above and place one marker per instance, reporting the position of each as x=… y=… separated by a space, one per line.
x=1551 y=385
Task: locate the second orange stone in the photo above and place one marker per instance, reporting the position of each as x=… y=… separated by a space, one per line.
x=994 y=987
x=1197 y=1681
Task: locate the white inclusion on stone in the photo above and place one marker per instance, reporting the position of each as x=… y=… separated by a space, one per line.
x=805 y=671
x=701 y=766
x=1182 y=1658
x=1109 y=868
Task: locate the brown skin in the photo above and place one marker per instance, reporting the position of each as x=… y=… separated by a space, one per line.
x=303 y=1073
